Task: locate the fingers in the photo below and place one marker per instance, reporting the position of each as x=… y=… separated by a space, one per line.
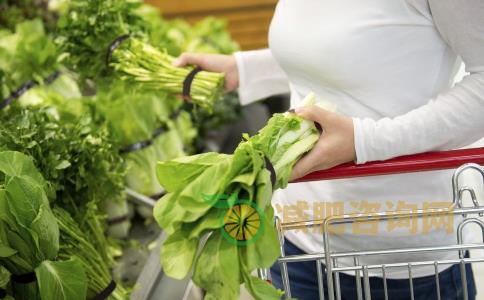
x=313 y=113
x=189 y=59
x=306 y=164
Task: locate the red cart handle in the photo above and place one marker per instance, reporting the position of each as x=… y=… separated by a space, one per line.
x=430 y=161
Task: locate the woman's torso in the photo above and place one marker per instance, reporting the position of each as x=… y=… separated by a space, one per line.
x=372 y=59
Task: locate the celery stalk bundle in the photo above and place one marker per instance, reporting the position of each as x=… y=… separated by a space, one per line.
x=228 y=199
x=88 y=31
x=140 y=62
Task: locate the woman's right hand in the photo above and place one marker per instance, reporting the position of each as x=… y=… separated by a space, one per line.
x=214 y=63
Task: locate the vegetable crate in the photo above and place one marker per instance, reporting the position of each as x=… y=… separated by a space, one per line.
x=327 y=262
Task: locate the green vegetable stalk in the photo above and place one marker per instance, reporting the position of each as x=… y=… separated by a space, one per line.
x=89 y=30
x=228 y=198
x=140 y=62
x=74 y=242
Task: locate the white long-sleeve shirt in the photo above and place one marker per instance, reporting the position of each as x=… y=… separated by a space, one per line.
x=389 y=64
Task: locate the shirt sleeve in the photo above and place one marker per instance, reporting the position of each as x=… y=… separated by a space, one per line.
x=451 y=120
x=260 y=76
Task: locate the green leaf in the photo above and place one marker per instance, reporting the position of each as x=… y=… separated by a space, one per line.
x=260 y=289
x=63 y=165
x=177 y=254
x=13 y=163
x=4 y=277
x=177 y=173
x=217 y=268
x=263 y=252
x=6 y=251
x=63 y=280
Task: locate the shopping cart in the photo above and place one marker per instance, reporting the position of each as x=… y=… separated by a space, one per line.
x=327 y=262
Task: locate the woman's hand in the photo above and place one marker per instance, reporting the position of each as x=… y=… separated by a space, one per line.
x=335 y=146
x=214 y=63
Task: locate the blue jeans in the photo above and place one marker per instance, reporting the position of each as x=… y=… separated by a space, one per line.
x=304 y=284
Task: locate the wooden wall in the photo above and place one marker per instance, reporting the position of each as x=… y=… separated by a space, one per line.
x=248 y=20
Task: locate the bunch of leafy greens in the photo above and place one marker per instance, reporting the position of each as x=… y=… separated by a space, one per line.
x=84 y=170
x=228 y=197
x=146 y=119
x=90 y=28
x=77 y=157
x=26 y=54
x=135 y=117
x=210 y=35
x=73 y=242
x=63 y=95
x=29 y=234
x=17 y=11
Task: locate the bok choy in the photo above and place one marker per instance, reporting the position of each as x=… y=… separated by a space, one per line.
x=29 y=236
x=228 y=199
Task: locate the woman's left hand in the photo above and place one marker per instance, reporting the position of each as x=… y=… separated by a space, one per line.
x=335 y=146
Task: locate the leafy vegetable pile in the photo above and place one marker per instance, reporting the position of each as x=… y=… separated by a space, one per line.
x=228 y=197
x=25 y=55
x=83 y=170
x=29 y=235
x=73 y=242
x=134 y=118
x=17 y=11
x=75 y=157
x=88 y=32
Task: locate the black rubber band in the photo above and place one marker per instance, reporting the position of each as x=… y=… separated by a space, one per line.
x=187 y=83
x=24 y=278
x=17 y=93
x=118 y=220
x=318 y=127
x=159 y=132
x=186 y=106
x=25 y=87
x=271 y=169
x=157 y=196
x=114 y=45
x=136 y=147
x=104 y=294
x=3 y=293
x=52 y=77
x=175 y=114
x=144 y=144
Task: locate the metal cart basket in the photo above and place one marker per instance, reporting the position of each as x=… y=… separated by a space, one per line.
x=327 y=262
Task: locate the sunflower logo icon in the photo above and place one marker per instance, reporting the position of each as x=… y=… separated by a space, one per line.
x=241 y=221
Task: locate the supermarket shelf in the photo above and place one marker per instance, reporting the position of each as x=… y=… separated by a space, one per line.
x=153 y=284
x=141 y=199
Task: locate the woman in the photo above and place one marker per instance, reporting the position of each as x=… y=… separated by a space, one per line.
x=388 y=66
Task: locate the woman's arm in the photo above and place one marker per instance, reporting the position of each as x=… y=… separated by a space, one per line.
x=453 y=119
x=256 y=74
x=260 y=76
